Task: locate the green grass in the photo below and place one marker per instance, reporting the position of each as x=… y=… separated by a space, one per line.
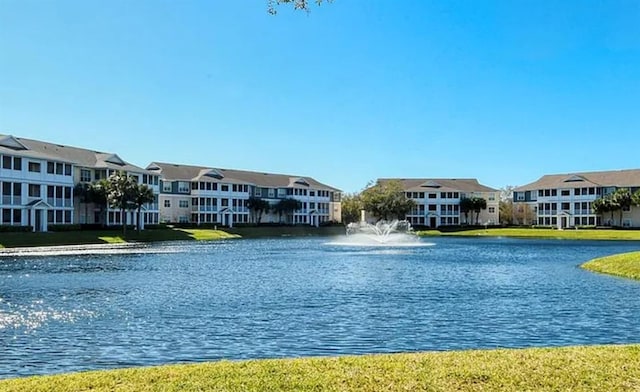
x=583 y=234
x=626 y=265
x=81 y=237
x=287 y=231
x=591 y=368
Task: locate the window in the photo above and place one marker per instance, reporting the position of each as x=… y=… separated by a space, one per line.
x=520 y=196
x=183 y=187
x=59 y=168
x=565 y=192
x=432 y=195
x=34 y=167
x=67 y=170
x=51 y=167
x=554 y=192
x=565 y=206
x=540 y=192
x=166 y=186
x=257 y=192
x=576 y=191
x=626 y=208
x=183 y=203
x=225 y=188
x=6 y=162
x=34 y=190
x=85 y=175
x=17 y=163
x=432 y=207
x=167 y=203
x=272 y=192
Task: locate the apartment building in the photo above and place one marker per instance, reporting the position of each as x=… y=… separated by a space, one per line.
x=198 y=194
x=564 y=200
x=38 y=178
x=438 y=201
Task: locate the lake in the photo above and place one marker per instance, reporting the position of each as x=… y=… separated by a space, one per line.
x=290 y=297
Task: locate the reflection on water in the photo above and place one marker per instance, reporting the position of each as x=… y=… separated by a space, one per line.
x=185 y=302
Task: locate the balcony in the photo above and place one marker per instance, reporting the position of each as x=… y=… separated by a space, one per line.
x=204 y=208
x=11 y=200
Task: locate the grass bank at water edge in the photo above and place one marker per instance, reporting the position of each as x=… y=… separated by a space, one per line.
x=591 y=368
x=83 y=237
x=625 y=264
x=570 y=234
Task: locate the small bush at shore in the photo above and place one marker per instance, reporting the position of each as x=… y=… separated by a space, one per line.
x=593 y=368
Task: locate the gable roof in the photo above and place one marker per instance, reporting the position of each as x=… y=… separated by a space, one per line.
x=172 y=171
x=617 y=178
x=440 y=184
x=78 y=156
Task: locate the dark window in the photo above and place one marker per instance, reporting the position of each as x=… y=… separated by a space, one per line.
x=17 y=216
x=67 y=170
x=17 y=163
x=34 y=190
x=59 y=168
x=6 y=162
x=34 y=167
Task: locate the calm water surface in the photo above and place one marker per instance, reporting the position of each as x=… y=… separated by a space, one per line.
x=191 y=302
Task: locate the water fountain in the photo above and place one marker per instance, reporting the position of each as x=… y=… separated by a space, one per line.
x=382 y=233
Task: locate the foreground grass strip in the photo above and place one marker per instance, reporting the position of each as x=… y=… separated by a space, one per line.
x=591 y=368
x=583 y=234
x=626 y=265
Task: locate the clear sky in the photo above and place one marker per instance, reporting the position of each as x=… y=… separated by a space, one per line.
x=504 y=91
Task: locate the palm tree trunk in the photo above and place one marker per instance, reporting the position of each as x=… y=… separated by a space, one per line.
x=139 y=213
x=123 y=218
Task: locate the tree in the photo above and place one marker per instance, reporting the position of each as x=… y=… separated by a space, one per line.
x=635 y=199
x=98 y=193
x=479 y=204
x=466 y=206
x=83 y=191
x=120 y=194
x=286 y=207
x=297 y=4
x=351 y=206
x=603 y=205
x=142 y=194
x=386 y=200
x=622 y=200
x=257 y=207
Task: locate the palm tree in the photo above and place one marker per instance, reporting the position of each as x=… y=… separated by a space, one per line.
x=286 y=207
x=479 y=204
x=120 y=193
x=466 y=205
x=603 y=205
x=622 y=200
x=142 y=194
x=257 y=207
x=83 y=191
x=98 y=193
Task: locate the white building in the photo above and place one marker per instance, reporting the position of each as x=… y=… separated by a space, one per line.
x=197 y=194
x=38 y=179
x=565 y=200
x=438 y=201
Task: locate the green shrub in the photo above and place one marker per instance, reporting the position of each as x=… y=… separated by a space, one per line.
x=69 y=227
x=15 y=229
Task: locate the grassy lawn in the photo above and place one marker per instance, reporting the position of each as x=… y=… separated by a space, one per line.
x=626 y=265
x=287 y=231
x=585 y=234
x=591 y=368
x=10 y=240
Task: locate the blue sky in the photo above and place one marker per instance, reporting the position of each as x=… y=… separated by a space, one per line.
x=504 y=91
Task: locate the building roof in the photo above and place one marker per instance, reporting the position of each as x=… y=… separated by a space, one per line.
x=617 y=178
x=173 y=171
x=58 y=152
x=440 y=184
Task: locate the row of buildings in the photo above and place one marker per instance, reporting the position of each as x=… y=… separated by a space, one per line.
x=37 y=181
